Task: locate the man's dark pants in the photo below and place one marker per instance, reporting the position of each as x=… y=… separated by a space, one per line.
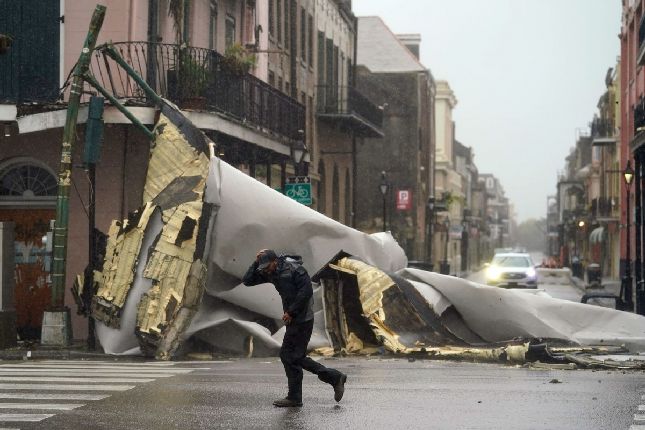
x=294 y=358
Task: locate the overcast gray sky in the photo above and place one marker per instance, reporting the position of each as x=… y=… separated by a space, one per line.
x=526 y=74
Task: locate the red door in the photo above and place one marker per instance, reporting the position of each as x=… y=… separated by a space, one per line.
x=33 y=291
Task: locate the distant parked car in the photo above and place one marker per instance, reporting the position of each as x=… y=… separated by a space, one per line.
x=511 y=270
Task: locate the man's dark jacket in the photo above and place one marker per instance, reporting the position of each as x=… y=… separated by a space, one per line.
x=293 y=284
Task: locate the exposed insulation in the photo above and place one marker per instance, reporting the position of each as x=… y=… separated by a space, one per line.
x=121 y=257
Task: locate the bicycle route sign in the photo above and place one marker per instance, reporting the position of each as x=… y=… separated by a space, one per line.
x=299 y=189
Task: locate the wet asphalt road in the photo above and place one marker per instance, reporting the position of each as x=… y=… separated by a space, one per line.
x=555 y=287
x=381 y=393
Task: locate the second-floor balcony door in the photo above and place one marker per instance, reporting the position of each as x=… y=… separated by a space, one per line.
x=30 y=68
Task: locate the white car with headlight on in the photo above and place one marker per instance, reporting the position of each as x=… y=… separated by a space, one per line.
x=511 y=270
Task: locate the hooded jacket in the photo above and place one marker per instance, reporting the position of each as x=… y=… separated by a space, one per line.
x=292 y=282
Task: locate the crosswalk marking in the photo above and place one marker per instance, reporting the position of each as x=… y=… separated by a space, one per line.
x=637 y=427
x=54 y=372
x=132 y=369
x=49 y=406
x=74 y=387
x=24 y=417
x=93 y=370
x=71 y=384
x=639 y=417
x=53 y=396
x=113 y=362
x=104 y=380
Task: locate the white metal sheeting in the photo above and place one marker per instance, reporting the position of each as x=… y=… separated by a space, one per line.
x=498 y=314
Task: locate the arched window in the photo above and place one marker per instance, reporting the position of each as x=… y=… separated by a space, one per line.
x=321 y=197
x=27 y=180
x=335 y=193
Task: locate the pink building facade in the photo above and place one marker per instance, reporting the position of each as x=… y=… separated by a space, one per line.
x=632 y=147
x=253 y=125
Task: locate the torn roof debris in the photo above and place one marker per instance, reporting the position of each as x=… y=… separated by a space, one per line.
x=172 y=272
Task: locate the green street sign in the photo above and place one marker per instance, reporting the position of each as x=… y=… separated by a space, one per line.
x=299 y=189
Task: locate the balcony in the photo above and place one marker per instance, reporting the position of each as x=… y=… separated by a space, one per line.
x=639 y=125
x=640 y=54
x=349 y=109
x=603 y=132
x=200 y=79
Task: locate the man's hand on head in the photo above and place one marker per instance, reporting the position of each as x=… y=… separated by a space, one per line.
x=287 y=318
x=260 y=252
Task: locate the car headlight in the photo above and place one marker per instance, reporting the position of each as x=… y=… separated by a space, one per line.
x=493 y=273
x=530 y=272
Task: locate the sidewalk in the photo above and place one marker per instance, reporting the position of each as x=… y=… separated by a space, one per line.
x=33 y=350
x=608 y=285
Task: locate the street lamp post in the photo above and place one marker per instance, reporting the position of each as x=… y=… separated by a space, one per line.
x=445 y=266
x=464 y=240
x=384 y=187
x=626 y=284
x=298 y=152
x=431 y=201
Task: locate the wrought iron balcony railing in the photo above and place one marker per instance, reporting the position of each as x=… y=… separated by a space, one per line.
x=347 y=105
x=639 y=116
x=202 y=79
x=640 y=48
x=602 y=128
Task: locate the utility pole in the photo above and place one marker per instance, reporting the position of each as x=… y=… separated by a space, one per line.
x=58 y=315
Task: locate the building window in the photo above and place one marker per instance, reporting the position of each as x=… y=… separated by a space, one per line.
x=310 y=124
x=186 y=21
x=279 y=19
x=287 y=21
x=230 y=31
x=321 y=197
x=27 y=180
x=280 y=83
x=321 y=58
x=212 y=28
x=271 y=78
x=310 y=42
x=335 y=192
x=303 y=35
x=271 y=18
x=348 y=200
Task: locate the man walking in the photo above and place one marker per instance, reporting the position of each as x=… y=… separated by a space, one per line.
x=294 y=286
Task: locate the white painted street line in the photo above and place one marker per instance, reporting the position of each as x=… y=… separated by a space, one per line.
x=641 y=407
x=24 y=417
x=637 y=427
x=639 y=417
x=90 y=380
x=116 y=363
x=129 y=369
x=55 y=387
x=79 y=372
x=53 y=396
x=49 y=406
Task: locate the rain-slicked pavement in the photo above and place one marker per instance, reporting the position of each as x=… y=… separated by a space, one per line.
x=381 y=393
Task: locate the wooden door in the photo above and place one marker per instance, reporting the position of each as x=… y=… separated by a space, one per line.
x=33 y=283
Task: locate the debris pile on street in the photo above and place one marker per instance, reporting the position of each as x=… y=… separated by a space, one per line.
x=173 y=270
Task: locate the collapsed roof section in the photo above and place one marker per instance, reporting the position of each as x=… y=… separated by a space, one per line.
x=173 y=266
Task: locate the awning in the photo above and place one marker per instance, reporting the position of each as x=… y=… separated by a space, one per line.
x=596 y=235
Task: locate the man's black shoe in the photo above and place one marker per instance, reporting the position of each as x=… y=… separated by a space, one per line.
x=287 y=403
x=339 y=387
